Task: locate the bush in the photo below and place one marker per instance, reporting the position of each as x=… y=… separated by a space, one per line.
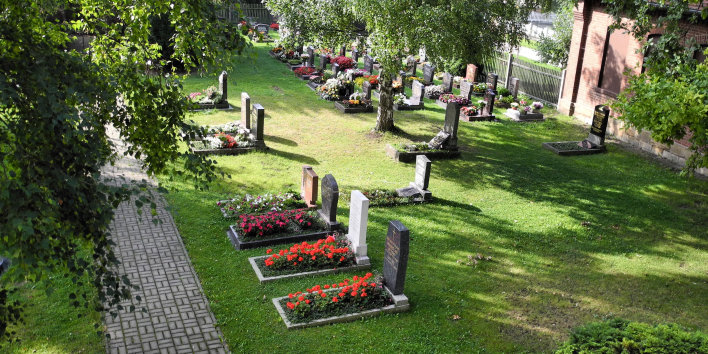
x=622 y=336
x=503 y=91
x=344 y=62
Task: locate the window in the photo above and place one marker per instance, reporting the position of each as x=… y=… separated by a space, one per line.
x=613 y=61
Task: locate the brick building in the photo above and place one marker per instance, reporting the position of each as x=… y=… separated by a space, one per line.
x=594 y=75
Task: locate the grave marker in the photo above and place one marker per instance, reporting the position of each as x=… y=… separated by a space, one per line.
x=335 y=69
x=466 y=89
x=245 y=110
x=368 y=63
x=514 y=87
x=358 y=221
x=323 y=62
x=447 y=82
x=343 y=50
x=411 y=66
x=419 y=188
x=308 y=187
x=452 y=121
x=396 y=256
x=471 y=73
x=366 y=89
x=330 y=199
x=599 y=125
x=223 y=86
x=262 y=28
x=417 y=95
x=492 y=79
x=355 y=57
x=311 y=56
x=489 y=102
x=428 y=72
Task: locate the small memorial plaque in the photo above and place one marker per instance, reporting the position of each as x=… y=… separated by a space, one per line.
x=396 y=256
x=438 y=142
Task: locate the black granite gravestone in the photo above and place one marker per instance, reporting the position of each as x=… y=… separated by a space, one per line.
x=396 y=256
x=489 y=102
x=343 y=50
x=447 y=82
x=599 y=125
x=330 y=198
x=323 y=62
x=355 y=57
x=257 y=121
x=428 y=72
x=311 y=57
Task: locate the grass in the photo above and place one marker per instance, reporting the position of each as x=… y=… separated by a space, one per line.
x=572 y=239
x=529 y=44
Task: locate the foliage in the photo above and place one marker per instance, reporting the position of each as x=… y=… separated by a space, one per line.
x=479 y=88
x=670 y=98
x=554 y=49
x=399 y=98
x=55 y=106
x=503 y=91
x=248 y=204
x=622 y=336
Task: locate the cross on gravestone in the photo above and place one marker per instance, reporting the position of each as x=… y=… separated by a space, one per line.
x=311 y=56
x=366 y=89
x=514 y=87
x=489 y=102
x=396 y=256
x=447 y=82
x=368 y=63
x=417 y=95
x=411 y=66
x=355 y=56
x=223 y=86
x=323 y=62
x=471 y=73
x=308 y=186
x=428 y=72
x=599 y=125
x=245 y=110
x=335 y=69
x=492 y=79
x=330 y=198
x=259 y=113
x=466 y=89
x=358 y=221
x=452 y=121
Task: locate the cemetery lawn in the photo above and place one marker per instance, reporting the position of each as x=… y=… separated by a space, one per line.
x=572 y=239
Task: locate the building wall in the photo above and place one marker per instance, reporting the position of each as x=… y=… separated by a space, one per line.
x=581 y=92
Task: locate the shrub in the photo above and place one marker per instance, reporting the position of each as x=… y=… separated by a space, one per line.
x=344 y=62
x=305 y=71
x=622 y=336
x=294 y=61
x=503 y=91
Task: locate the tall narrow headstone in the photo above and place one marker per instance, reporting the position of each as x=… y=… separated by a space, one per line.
x=355 y=57
x=245 y=110
x=335 y=69
x=452 y=121
x=368 y=63
x=366 y=89
x=489 y=102
x=447 y=82
x=330 y=198
x=223 y=86
x=471 y=73
x=422 y=172
x=417 y=93
x=411 y=66
x=514 y=86
x=343 y=50
x=466 y=89
x=492 y=80
x=396 y=256
x=323 y=62
x=308 y=187
x=310 y=56
x=599 y=125
x=428 y=72
x=258 y=120
x=358 y=221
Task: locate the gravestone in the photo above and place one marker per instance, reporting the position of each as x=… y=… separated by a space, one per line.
x=422 y=54
x=4 y=265
x=223 y=86
x=396 y=256
x=471 y=73
x=452 y=121
x=411 y=65
x=258 y=117
x=466 y=89
x=262 y=28
x=343 y=50
x=311 y=57
x=447 y=82
x=366 y=89
x=368 y=63
x=428 y=72
x=514 y=87
x=308 y=187
x=358 y=221
x=330 y=198
x=355 y=57
x=417 y=95
x=492 y=79
x=245 y=110
x=335 y=69
x=419 y=188
x=489 y=102
x=439 y=141
x=323 y=62
x=596 y=136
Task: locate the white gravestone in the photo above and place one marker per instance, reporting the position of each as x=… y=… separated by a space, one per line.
x=358 y=220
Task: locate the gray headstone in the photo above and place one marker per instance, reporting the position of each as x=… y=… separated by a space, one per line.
x=368 y=63
x=489 y=102
x=514 y=86
x=258 y=120
x=408 y=191
x=358 y=224
x=599 y=125
x=422 y=172
x=223 y=86
x=245 y=110
x=428 y=73
x=439 y=141
x=330 y=198
x=366 y=89
x=355 y=56
x=452 y=121
x=396 y=256
x=447 y=82
x=418 y=90
x=492 y=80
x=466 y=89
x=411 y=65
x=335 y=69
x=323 y=62
x=311 y=56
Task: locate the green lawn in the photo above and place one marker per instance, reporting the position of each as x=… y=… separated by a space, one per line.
x=573 y=239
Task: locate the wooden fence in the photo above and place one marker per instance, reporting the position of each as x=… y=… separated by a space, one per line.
x=535 y=81
x=253 y=13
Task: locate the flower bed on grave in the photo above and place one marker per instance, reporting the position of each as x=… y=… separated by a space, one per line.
x=306 y=73
x=232 y=143
x=384 y=198
x=524 y=111
x=344 y=62
x=355 y=104
x=327 y=255
x=409 y=152
x=473 y=112
x=479 y=89
x=209 y=98
x=276 y=227
x=248 y=204
x=338 y=302
x=444 y=99
x=573 y=148
x=372 y=79
x=336 y=88
x=433 y=91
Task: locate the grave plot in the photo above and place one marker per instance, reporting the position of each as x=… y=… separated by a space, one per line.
x=481 y=111
x=401 y=103
x=446 y=98
x=237 y=138
x=361 y=297
x=211 y=97
x=295 y=225
x=442 y=146
x=593 y=144
x=334 y=253
x=336 y=88
x=355 y=104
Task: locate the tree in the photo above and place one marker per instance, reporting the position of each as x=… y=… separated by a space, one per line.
x=56 y=105
x=670 y=96
x=554 y=49
x=448 y=30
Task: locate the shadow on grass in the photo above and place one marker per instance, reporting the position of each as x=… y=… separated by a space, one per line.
x=279 y=140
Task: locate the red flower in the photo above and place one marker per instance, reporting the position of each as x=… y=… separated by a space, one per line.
x=269 y=251
x=335 y=299
x=323 y=294
x=301 y=298
x=291 y=305
x=307 y=302
x=326 y=286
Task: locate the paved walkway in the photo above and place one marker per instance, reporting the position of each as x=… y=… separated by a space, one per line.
x=178 y=317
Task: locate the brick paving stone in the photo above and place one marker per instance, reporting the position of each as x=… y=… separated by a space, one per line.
x=178 y=318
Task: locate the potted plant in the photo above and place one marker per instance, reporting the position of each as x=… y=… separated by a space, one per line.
x=537 y=106
x=514 y=106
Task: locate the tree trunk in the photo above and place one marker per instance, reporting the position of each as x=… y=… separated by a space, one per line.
x=384 y=121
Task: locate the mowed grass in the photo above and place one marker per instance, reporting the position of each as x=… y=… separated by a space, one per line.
x=572 y=239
